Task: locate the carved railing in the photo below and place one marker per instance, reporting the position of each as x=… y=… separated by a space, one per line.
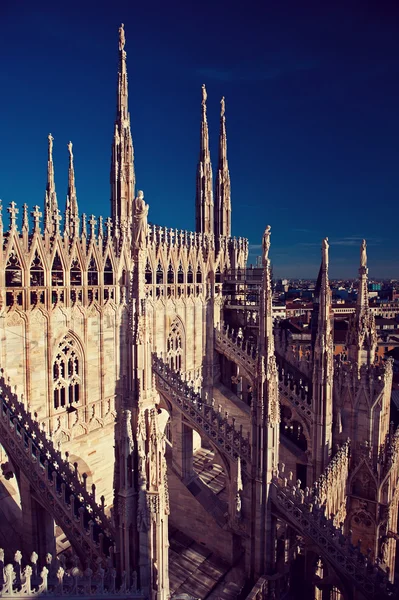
x=55 y=481
x=330 y=488
x=169 y=237
x=301 y=509
x=213 y=424
x=237 y=350
x=53 y=578
x=260 y=590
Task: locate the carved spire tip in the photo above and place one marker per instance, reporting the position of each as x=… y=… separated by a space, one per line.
x=222 y=107
x=122 y=39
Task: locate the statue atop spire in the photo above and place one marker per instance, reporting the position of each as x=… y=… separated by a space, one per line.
x=123 y=177
x=363 y=254
x=51 y=204
x=204 y=96
x=122 y=39
x=204 y=207
x=266 y=246
x=222 y=107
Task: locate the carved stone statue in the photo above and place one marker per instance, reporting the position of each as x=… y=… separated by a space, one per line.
x=266 y=245
x=204 y=94
x=140 y=213
x=121 y=37
x=222 y=107
x=363 y=254
x=70 y=150
x=50 y=144
x=324 y=252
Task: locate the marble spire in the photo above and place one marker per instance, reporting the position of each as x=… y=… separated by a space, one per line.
x=204 y=208
x=362 y=335
x=123 y=177
x=72 y=211
x=222 y=187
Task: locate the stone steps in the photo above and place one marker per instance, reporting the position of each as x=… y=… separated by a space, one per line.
x=193 y=569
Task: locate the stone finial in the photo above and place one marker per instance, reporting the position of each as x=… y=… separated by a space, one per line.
x=222 y=107
x=13 y=210
x=25 y=219
x=92 y=223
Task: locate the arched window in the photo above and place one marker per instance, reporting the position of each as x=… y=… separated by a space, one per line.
x=57 y=272
x=92 y=273
x=171 y=274
x=108 y=273
x=36 y=271
x=76 y=273
x=66 y=374
x=190 y=274
x=180 y=274
x=218 y=275
x=199 y=275
x=13 y=270
x=175 y=346
x=148 y=273
x=159 y=274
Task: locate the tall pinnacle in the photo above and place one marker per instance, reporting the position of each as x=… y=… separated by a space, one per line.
x=362 y=337
x=222 y=188
x=72 y=212
x=204 y=195
x=323 y=353
x=51 y=204
x=122 y=167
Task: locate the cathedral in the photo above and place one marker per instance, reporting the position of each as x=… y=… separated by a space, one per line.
x=160 y=437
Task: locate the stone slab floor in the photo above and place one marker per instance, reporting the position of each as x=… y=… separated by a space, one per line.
x=196 y=571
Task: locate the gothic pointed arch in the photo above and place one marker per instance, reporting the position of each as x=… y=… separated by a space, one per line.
x=57 y=271
x=14 y=273
x=159 y=273
x=75 y=272
x=92 y=271
x=170 y=274
x=148 y=272
x=37 y=271
x=180 y=273
x=108 y=271
x=67 y=373
x=175 y=345
x=190 y=273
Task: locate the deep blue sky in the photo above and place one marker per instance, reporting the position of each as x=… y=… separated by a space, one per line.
x=312 y=108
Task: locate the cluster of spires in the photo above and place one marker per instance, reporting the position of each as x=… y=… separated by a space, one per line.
x=213 y=217
x=52 y=215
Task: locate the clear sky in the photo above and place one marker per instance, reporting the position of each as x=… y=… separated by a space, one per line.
x=312 y=109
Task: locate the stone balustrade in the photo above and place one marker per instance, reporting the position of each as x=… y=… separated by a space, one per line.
x=236 y=349
x=55 y=480
x=302 y=509
x=330 y=488
x=158 y=235
x=260 y=590
x=204 y=417
x=51 y=578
